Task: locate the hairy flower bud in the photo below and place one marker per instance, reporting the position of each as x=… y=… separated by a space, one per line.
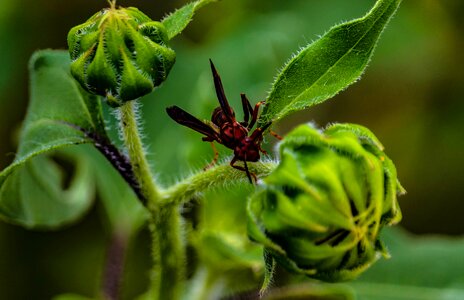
x=320 y=211
x=120 y=54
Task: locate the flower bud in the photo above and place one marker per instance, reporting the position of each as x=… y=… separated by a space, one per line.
x=321 y=210
x=120 y=53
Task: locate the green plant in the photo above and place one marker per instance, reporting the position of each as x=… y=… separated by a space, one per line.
x=122 y=55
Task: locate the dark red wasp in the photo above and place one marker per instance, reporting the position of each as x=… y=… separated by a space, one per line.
x=225 y=129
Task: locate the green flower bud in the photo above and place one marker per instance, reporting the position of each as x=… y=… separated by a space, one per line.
x=120 y=54
x=321 y=210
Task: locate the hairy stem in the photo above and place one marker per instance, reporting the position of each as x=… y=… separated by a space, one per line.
x=168 y=274
x=133 y=142
x=216 y=176
x=166 y=222
x=169 y=255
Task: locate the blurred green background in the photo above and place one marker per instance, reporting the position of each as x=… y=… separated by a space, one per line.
x=411 y=97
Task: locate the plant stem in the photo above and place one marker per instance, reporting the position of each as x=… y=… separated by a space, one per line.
x=169 y=256
x=133 y=142
x=114 y=266
x=216 y=176
x=168 y=274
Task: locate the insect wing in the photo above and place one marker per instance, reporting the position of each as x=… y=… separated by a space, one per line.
x=247 y=109
x=184 y=118
x=221 y=95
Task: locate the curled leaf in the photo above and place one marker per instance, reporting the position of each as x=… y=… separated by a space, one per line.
x=39 y=194
x=34 y=190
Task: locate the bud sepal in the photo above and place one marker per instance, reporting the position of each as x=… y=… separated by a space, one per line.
x=321 y=210
x=120 y=53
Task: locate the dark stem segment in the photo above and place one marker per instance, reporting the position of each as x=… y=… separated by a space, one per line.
x=119 y=161
x=114 y=266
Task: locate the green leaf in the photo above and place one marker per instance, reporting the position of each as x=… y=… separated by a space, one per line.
x=59 y=111
x=328 y=65
x=178 y=20
x=56 y=102
x=220 y=241
x=269 y=269
x=226 y=251
x=39 y=195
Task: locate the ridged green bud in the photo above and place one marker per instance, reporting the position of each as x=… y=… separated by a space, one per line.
x=120 y=53
x=321 y=210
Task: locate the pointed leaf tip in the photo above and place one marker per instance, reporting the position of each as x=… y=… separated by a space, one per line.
x=329 y=65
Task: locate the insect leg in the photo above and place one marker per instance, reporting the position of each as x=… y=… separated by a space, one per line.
x=254 y=116
x=258 y=132
x=216 y=155
x=274 y=134
x=244 y=169
x=262 y=150
x=249 y=174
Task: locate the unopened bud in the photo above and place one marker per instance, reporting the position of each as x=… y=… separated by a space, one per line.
x=321 y=210
x=120 y=53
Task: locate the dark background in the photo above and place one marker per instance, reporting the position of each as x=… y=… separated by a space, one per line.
x=411 y=97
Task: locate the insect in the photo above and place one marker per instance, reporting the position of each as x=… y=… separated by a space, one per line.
x=226 y=130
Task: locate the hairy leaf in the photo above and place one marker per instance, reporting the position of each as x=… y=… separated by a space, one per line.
x=59 y=112
x=328 y=65
x=178 y=20
x=57 y=108
x=269 y=270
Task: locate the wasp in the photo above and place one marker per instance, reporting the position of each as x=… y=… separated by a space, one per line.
x=226 y=130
